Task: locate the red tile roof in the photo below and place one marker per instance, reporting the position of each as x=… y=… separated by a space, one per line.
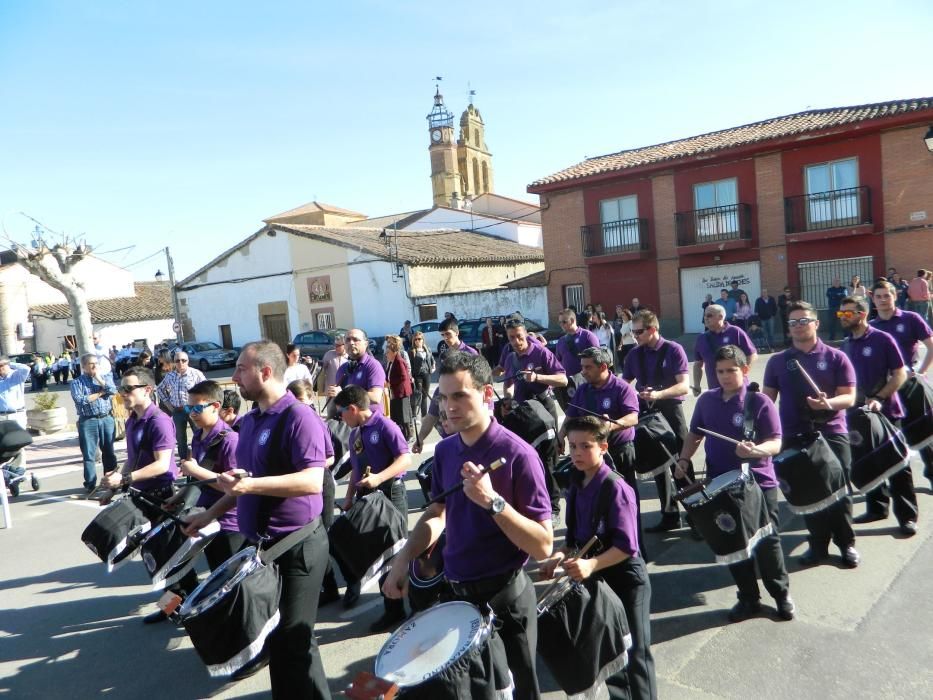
x=778 y=127
x=153 y=301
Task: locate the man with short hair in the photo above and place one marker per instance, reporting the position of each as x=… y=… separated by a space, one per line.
x=104 y=366
x=332 y=361
x=493 y=523
x=918 y=295
x=450 y=332
x=281 y=445
x=296 y=368
x=361 y=368
x=718 y=333
x=531 y=370
x=879 y=373
x=174 y=391
x=13 y=376
x=834 y=296
x=230 y=409
x=574 y=341
x=734 y=292
x=658 y=368
x=785 y=300
x=766 y=310
x=727 y=303
x=803 y=412
x=636 y=306
x=92 y=393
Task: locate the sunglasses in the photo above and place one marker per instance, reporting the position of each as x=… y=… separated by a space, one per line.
x=199 y=408
x=128 y=388
x=848 y=314
x=638 y=331
x=800 y=322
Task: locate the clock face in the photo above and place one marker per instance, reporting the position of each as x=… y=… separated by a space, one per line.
x=436 y=135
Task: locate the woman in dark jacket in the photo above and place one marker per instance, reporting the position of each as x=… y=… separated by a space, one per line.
x=422 y=366
x=398 y=378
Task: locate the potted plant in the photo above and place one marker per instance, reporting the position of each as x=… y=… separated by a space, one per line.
x=46 y=416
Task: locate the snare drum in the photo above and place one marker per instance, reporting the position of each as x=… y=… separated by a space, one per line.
x=583 y=636
x=917 y=395
x=230 y=615
x=563 y=472
x=449 y=651
x=426 y=582
x=424 y=473
x=810 y=475
x=731 y=514
x=879 y=450
x=656 y=447
x=168 y=553
x=115 y=534
x=367 y=536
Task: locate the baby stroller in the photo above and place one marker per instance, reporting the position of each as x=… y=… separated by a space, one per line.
x=13 y=439
x=757 y=334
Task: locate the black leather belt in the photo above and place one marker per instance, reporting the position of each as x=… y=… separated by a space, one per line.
x=484 y=587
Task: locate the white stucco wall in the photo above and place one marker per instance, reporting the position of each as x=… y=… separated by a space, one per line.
x=426 y=280
x=524 y=233
x=49 y=333
x=224 y=301
x=531 y=301
x=380 y=305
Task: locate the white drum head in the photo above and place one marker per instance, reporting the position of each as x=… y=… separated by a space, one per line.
x=429 y=642
x=220 y=582
x=716 y=484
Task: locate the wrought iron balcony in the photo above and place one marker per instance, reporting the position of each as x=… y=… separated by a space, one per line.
x=826 y=210
x=615 y=237
x=729 y=223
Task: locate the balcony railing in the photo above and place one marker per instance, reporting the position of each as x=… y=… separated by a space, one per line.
x=825 y=210
x=614 y=237
x=729 y=223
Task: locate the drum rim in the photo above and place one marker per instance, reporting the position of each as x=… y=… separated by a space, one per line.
x=482 y=634
x=192 y=606
x=693 y=498
x=183 y=557
x=114 y=558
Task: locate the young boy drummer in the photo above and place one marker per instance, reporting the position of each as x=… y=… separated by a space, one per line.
x=722 y=410
x=619 y=563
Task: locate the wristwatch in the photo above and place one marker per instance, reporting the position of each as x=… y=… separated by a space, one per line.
x=497 y=506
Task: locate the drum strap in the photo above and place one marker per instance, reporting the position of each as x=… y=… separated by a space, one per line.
x=748 y=415
x=603 y=499
x=210 y=453
x=289 y=541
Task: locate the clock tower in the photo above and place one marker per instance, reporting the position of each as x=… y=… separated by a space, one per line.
x=445 y=176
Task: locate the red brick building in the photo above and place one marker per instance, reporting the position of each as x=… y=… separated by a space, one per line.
x=794 y=200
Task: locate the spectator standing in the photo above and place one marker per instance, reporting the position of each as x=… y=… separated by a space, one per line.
x=398 y=378
x=727 y=303
x=785 y=300
x=405 y=333
x=296 y=368
x=734 y=291
x=626 y=338
x=834 y=296
x=767 y=310
x=332 y=361
x=13 y=376
x=706 y=302
x=900 y=286
x=174 y=391
x=743 y=311
x=422 y=366
x=918 y=295
x=93 y=394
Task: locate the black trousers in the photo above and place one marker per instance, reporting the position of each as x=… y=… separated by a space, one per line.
x=518 y=618
x=667 y=485
x=420 y=395
x=897 y=490
x=629 y=580
x=295 y=666
x=222 y=547
x=926 y=454
x=834 y=523
x=770 y=560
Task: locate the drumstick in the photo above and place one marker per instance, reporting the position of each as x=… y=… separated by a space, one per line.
x=560 y=579
x=807 y=377
x=600 y=415
x=236 y=474
x=729 y=439
x=459 y=485
x=158 y=503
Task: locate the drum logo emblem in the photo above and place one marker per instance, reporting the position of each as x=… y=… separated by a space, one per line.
x=855 y=438
x=737 y=420
x=150 y=562
x=359 y=375
x=607 y=402
x=899 y=327
x=374 y=437
x=725 y=522
x=822 y=365
x=866 y=352
x=264 y=436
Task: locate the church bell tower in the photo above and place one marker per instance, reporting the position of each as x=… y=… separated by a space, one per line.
x=474 y=160
x=445 y=176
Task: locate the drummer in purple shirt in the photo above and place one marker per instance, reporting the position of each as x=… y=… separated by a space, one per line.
x=879 y=373
x=723 y=411
x=493 y=524
x=361 y=369
x=281 y=445
x=908 y=330
x=574 y=341
x=804 y=411
x=619 y=563
x=531 y=370
x=376 y=443
x=718 y=333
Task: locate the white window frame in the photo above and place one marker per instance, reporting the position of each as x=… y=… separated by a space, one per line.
x=714 y=224
x=621 y=231
x=835 y=206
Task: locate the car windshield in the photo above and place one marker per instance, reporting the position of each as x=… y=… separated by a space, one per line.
x=204 y=347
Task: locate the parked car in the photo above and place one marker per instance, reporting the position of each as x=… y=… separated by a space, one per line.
x=471 y=332
x=432 y=336
x=126 y=357
x=316 y=343
x=207 y=355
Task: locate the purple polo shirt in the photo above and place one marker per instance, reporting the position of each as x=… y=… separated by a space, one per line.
x=476 y=547
x=621 y=520
x=708 y=343
x=571 y=345
x=674 y=363
x=508 y=350
x=225 y=461
x=145 y=436
x=907 y=328
x=728 y=418
x=828 y=367
x=538 y=359
x=302 y=446
x=616 y=398
x=875 y=355
x=463 y=347
x=382 y=442
x=368 y=373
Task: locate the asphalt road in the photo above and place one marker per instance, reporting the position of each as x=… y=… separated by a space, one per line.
x=68 y=629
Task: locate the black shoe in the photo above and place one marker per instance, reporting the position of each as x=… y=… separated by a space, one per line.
x=909 y=527
x=811 y=557
x=390 y=620
x=869 y=517
x=352 y=595
x=252 y=668
x=90 y=488
x=743 y=610
x=153 y=618
x=666 y=524
x=851 y=557
x=328 y=596
x=786 y=610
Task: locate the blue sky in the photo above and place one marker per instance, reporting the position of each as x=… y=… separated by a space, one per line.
x=148 y=124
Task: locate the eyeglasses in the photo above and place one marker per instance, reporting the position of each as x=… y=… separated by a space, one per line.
x=806 y=321
x=848 y=314
x=638 y=331
x=128 y=388
x=199 y=408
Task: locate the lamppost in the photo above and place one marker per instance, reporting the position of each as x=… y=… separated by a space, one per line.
x=176 y=326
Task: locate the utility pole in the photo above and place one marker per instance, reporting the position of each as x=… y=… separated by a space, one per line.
x=176 y=311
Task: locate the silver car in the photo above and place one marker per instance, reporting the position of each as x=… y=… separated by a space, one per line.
x=209 y=355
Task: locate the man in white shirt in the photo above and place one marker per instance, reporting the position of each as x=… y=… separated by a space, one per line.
x=104 y=368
